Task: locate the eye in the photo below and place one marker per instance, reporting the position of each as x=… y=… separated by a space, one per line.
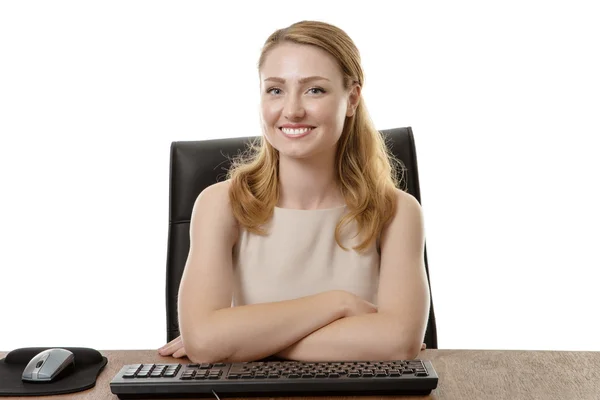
x=317 y=88
x=273 y=88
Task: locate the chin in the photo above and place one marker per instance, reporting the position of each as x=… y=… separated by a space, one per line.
x=295 y=153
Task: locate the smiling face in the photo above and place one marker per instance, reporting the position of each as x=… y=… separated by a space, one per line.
x=302 y=88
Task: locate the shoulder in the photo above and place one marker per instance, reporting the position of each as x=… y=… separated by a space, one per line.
x=216 y=192
x=406 y=203
x=213 y=206
x=407 y=217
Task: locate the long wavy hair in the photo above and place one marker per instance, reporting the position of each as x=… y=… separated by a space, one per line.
x=366 y=169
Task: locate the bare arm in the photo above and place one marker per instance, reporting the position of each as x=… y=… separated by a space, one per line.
x=360 y=338
x=211 y=330
x=256 y=331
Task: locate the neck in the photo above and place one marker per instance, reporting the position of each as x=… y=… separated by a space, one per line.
x=308 y=184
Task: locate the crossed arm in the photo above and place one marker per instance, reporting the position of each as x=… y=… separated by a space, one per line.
x=365 y=337
x=395 y=331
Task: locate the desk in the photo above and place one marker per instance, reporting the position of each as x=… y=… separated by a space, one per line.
x=463 y=374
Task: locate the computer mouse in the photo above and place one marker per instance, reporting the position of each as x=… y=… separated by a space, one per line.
x=48 y=365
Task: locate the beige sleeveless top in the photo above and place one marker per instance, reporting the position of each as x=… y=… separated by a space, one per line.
x=300 y=257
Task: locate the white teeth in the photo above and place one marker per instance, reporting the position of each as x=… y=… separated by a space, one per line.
x=288 y=131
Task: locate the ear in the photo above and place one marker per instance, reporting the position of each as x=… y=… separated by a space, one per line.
x=353 y=100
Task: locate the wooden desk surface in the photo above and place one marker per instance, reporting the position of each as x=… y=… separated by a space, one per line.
x=463 y=374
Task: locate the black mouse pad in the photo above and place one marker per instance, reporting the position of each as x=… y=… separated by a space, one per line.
x=88 y=364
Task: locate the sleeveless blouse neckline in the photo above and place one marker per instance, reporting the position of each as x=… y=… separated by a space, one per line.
x=315 y=209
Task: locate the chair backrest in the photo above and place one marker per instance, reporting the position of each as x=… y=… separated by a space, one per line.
x=196 y=165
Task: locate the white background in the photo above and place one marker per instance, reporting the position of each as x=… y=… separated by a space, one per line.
x=503 y=97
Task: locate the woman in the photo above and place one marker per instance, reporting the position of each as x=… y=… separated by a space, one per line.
x=320 y=252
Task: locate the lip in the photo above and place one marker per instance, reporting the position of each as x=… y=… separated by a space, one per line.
x=296 y=126
x=297 y=136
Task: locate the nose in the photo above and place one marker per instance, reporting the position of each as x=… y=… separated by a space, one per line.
x=293 y=108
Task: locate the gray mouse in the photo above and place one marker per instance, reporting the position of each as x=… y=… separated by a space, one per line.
x=47 y=365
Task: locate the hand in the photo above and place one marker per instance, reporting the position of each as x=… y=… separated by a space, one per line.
x=173 y=348
x=355 y=305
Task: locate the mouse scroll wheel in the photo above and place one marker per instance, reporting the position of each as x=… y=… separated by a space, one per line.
x=39 y=364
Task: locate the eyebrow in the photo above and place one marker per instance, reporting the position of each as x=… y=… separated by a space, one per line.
x=303 y=80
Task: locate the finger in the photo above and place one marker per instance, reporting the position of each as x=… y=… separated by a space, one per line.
x=166 y=351
x=423 y=346
x=171 y=346
x=179 y=353
x=175 y=342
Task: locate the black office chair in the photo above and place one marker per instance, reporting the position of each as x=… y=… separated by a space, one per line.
x=196 y=165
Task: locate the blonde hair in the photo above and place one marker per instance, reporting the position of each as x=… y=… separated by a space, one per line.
x=366 y=173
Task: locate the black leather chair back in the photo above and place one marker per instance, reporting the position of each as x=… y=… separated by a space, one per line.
x=196 y=165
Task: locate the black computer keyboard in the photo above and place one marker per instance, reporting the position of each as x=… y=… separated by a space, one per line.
x=275 y=378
